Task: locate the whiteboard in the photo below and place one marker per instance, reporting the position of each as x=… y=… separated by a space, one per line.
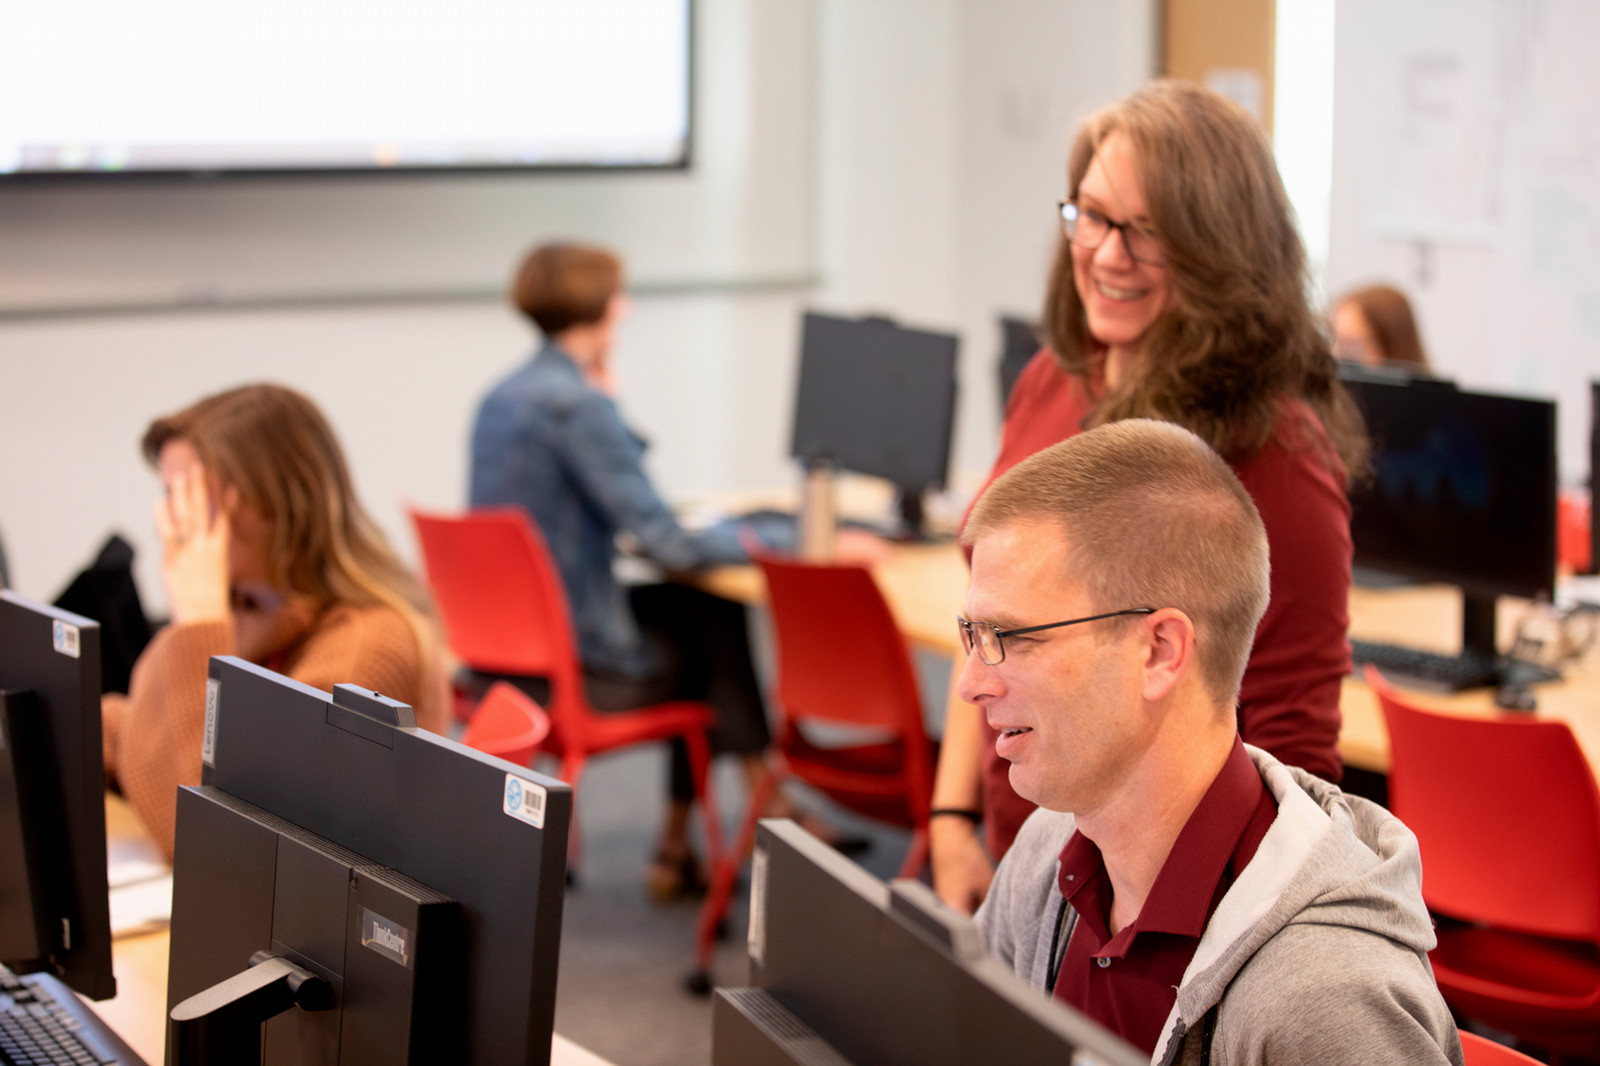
x=1467 y=171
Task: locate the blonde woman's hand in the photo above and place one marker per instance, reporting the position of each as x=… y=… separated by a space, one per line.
x=194 y=543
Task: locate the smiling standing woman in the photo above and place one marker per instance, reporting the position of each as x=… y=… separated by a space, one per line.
x=1179 y=293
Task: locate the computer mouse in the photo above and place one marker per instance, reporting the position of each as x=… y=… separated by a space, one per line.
x=1515 y=698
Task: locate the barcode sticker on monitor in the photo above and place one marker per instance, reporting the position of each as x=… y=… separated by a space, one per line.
x=524 y=800
x=758 y=907
x=66 y=639
x=208 y=744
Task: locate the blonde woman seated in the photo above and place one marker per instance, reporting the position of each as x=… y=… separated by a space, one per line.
x=267 y=556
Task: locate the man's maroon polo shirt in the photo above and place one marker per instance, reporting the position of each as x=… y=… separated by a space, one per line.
x=1129 y=982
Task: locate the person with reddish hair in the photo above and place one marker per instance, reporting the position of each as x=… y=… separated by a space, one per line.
x=1374 y=326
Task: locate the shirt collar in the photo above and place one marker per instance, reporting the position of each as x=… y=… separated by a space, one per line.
x=552 y=354
x=1180 y=900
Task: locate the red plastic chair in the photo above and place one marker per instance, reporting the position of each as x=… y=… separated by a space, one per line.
x=1507 y=814
x=505 y=612
x=508 y=723
x=842 y=662
x=1478 y=1051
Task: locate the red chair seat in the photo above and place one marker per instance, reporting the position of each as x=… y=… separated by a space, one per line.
x=1559 y=977
x=1477 y=1051
x=660 y=721
x=865 y=778
x=507 y=724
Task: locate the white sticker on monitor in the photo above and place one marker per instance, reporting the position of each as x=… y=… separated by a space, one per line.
x=758 y=907
x=208 y=744
x=525 y=800
x=66 y=639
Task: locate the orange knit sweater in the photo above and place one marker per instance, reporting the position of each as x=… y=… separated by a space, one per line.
x=153 y=734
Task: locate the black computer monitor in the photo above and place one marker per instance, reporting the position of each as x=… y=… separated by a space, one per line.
x=1463 y=492
x=877 y=399
x=54 y=910
x=1019 y=343
x=397 y=896
x=845 y=969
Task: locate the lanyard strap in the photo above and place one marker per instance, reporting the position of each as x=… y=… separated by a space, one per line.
x=1066 y=921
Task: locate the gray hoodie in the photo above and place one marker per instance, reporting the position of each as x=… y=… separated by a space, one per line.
x=1318 y=952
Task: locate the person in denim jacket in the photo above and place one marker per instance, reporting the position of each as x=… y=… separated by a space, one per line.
x=550 y=438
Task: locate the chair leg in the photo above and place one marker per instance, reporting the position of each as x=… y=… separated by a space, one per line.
x=705 y=793
x=916 y=853
x=724 y=874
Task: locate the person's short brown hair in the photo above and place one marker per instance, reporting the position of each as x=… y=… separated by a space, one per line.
x=560 y=286
x=1394 y=327
x=1153 y=518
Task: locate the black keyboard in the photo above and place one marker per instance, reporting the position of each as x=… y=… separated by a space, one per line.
x=1447 y=673
x=780 y=527
x=43 y=1023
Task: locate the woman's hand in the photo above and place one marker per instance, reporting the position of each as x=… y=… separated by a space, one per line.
x=194 y=541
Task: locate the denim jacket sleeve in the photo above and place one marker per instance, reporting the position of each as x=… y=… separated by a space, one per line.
x=604 y=457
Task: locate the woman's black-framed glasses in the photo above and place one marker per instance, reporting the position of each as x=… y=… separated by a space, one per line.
x=1088 y=228
x=989 y=638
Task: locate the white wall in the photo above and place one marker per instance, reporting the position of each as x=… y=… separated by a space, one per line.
x=905 y=154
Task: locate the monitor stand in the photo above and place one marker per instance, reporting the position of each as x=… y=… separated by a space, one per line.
x=913 y=528
x=223 y=1023
x=1478 y=635
x=909 y=503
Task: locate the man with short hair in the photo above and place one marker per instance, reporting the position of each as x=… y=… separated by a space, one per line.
x=1188 y=892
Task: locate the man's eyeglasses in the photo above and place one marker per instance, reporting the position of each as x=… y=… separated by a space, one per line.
x=989 y=639
x=1088 y=228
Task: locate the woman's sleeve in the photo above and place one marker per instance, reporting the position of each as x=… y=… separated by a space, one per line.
x=1289 y=702
x=159 y=727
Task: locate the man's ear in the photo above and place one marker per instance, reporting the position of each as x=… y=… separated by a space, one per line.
x=1169 y=652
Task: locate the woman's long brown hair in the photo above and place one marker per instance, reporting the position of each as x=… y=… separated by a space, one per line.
x=274 y=447
x=1242 y=334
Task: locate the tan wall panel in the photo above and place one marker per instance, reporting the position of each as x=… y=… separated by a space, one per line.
x=1202 y=37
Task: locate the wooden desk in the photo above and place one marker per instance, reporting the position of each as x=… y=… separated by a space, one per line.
x=1429 y=616
x=926 y=586
x=138 y=1013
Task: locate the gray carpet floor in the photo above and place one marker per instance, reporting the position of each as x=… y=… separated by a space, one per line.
x=624 y=958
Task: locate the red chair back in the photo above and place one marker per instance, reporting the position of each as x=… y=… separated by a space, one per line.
x=1507 y=815
x=843 y=661
x=507 y=724
x=501 y=599
x=841 y=658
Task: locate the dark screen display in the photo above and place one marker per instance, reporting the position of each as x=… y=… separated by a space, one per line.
x=1463 y=487
x=876 y=399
